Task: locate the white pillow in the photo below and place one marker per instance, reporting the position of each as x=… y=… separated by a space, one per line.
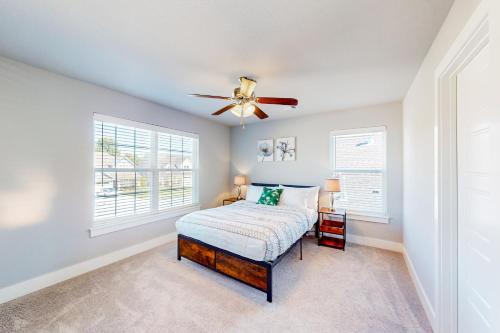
x=254 y=192
x=312 y=198
x=293 y=197
x=306 y=197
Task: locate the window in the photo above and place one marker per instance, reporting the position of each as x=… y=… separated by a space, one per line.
x=142 y=173
x=359 y=160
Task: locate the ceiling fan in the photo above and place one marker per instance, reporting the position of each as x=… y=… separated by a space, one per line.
x=244 y=103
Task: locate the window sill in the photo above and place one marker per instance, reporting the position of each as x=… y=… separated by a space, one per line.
x=368 y=218
x=102 y=227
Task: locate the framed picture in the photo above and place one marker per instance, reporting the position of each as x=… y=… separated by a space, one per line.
x=265 y=151
x=285 y=149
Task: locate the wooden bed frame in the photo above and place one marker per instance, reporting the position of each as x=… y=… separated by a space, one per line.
x=257 y=274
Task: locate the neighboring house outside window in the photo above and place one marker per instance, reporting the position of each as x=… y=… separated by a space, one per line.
x=142 y=173
x=358 y=158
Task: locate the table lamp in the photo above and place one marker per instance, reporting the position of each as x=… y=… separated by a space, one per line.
x=332 y=185
x=239 y=181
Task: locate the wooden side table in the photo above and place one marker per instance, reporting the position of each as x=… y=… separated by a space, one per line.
x=335 y=226
x=229 y=201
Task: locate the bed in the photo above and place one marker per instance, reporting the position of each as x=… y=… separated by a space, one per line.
x=244 y=240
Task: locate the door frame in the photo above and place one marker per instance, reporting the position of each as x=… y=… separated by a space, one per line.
x=473 y=38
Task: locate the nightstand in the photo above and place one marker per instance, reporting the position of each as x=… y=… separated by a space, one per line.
x=333 y=222
x=229 y=201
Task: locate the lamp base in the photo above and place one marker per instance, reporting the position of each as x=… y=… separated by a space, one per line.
x=238 y=197
x=332 y=201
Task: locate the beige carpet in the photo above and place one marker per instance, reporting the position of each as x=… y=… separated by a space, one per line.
x=360 y=290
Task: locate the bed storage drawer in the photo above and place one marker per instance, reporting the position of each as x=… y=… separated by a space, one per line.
x=197 y=252
x=242 y=270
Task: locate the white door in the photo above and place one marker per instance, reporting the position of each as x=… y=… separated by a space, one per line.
x=478 y=265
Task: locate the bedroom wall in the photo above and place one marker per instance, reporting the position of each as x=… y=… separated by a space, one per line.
x=418 y=129
x=46 y=131
x=312 y=164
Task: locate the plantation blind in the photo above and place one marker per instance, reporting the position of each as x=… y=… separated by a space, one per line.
x=141 y=169
x=175 y=170
x=359 y=160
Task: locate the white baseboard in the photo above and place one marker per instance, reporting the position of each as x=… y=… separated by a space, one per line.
x=424 y=299
x=49 y=279
x=375 y=242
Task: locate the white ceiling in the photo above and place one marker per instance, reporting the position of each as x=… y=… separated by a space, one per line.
x=331 y=54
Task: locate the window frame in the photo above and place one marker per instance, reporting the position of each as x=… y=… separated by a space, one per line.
x=363 y=215
x=101 y=226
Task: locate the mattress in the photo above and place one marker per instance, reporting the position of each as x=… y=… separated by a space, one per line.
x=257 y=232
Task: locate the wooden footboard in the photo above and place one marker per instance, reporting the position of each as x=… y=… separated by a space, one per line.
x=257 y=274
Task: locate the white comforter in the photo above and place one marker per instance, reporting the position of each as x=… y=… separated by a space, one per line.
x=258 y=232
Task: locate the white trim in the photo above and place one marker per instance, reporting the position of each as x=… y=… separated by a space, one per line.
x=469 y=42
x=422 y=295
x=151 y=127
x=368 y=218
x=196 y=173
x=375 y=242
x=49 y=279
x=361 y=130
x=102 y=227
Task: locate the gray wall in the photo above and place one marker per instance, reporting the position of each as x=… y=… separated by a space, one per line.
x=312 y=164
x=46 y=177
x=418 y=125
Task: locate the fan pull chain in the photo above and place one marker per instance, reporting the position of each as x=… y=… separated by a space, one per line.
x=242 y=121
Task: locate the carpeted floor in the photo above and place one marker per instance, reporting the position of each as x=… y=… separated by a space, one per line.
x=361 y=290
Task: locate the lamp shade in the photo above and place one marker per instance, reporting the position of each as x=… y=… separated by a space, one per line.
x=239 y=180
x=332 y=185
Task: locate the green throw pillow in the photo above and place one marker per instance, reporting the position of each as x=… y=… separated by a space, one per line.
x=270 y=196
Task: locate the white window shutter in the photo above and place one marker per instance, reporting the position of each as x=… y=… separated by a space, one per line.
x=359 y=160
x=141 y=169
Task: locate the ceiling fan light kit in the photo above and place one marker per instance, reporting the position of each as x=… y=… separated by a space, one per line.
x=244 y=102
x=243 y=110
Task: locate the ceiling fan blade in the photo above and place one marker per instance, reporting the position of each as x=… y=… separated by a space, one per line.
x=277 y=100
x=224 y=109
x=247 y=86
x=210 y=96
x=259 y=113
